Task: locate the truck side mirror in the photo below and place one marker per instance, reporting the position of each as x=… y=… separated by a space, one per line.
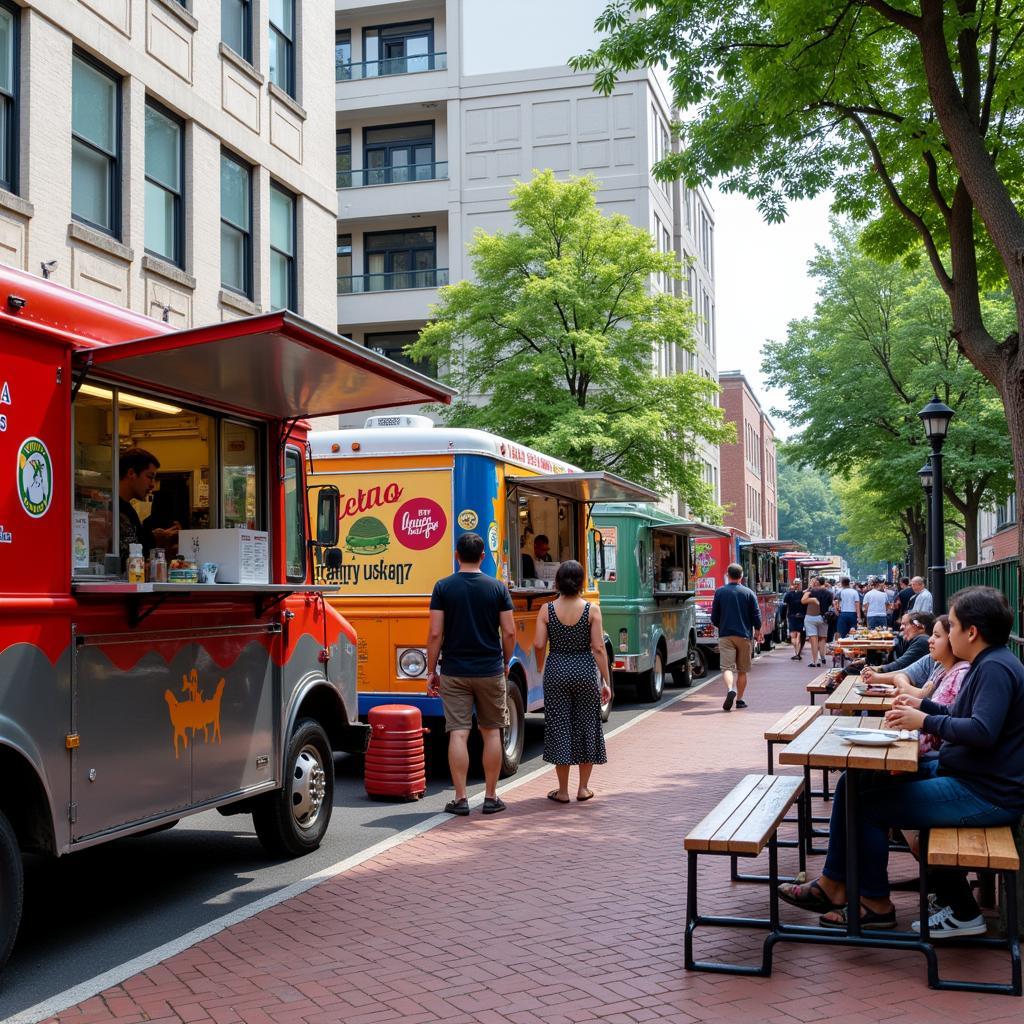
x=328 y=504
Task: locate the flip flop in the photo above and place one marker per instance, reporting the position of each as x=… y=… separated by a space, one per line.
x=870 y=920
x=807 y=896
x=589 y=796
x=553 y=795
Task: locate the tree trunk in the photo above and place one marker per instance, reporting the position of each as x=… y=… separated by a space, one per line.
x=1012 y=391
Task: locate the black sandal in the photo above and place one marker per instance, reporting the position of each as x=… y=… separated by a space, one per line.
x=807 y=896
x=459 y=807
x=870 y=920
x=495 y=806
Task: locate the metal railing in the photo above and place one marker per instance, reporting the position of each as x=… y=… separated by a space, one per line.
x=353 y=283
x=411 y=65
x=400 y=174
x=1005 y=576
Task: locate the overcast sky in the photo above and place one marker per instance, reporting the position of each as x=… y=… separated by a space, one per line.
x=761 y=281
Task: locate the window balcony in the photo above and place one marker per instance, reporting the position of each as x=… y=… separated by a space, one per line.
x=398 y=175
x=409 y=65
x=351 y=284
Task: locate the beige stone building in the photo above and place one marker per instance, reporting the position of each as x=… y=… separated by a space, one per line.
x=173 y=157
x=441 y=106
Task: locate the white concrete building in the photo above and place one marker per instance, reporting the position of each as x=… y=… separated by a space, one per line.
x=441 y=106
x=172 y=157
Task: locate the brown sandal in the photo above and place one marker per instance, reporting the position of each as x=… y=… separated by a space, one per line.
x=809 y=896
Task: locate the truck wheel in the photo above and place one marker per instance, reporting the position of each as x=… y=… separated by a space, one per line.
x=606 y=709
x=12 y=888
x=292 y=821
x=652 y=684
x=698 y=662
x=513 y=736
x=682 y=672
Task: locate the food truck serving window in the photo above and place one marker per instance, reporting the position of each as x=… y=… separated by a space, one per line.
x=146 y=469
x=546 y=536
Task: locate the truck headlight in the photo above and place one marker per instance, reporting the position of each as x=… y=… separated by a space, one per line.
x=412 y=662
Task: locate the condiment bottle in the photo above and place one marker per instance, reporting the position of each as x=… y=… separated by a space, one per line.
x=161 y=566
x=136 y=564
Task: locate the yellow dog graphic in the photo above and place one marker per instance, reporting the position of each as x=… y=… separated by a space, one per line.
x=194 y=712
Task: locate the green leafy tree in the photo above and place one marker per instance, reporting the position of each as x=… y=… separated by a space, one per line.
x=560 y=330
x=873 y=530
x=808 y=508
x=909 y=110
x=856 y=372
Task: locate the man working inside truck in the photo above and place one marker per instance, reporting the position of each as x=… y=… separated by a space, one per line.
x=137 y=472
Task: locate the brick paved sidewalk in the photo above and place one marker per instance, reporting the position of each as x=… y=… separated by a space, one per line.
x=553 y=914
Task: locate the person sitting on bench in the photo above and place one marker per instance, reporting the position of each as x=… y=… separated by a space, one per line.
x=977 y=778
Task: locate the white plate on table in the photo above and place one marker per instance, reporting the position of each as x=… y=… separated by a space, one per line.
x=869 y=737
x=865 y=690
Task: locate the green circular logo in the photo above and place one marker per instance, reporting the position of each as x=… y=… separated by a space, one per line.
x=35 y=477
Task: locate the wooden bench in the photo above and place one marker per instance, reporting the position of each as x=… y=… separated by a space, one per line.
x=785 y=730
x=817 y=686
x=976 y=849
x=742 y=824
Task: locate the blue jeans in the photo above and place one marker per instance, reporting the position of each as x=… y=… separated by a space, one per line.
x=923 y=800
x=877 y=621
x=846 y=622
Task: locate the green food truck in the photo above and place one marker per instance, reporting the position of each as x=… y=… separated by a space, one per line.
x=645 y=578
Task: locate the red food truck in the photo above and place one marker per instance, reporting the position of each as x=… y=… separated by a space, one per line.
x=761 y=572
x=126 y=705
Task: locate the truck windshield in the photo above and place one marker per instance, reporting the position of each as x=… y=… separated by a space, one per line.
x=146 y=469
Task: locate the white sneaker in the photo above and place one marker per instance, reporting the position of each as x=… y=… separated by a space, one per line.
x=943 y=925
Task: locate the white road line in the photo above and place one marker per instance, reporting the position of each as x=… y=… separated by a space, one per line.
x=87 y=989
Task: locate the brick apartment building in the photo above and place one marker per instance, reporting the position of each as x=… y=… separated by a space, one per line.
x=749 y=481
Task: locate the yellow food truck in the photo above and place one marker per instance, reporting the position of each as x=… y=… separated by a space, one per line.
x=406 y=491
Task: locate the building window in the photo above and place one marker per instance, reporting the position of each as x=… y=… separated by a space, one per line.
x=8 y=97
x=282 y=249
x=344 y=269
x=282 y=44
x=342 y=55
x=343 y=158
x=400 y=259
x=399 y=49
x=236 y=26
x=235 y=224
x=95 y=145
x=1006 y=514
x=164 y=227
x=398 y=153
x=393 y=346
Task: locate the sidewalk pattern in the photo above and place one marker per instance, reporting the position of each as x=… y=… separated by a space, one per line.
x=552 y=914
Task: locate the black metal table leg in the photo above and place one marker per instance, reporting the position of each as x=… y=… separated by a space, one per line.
x=852 y=856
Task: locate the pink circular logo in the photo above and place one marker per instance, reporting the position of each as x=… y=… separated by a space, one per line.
x=420 y=523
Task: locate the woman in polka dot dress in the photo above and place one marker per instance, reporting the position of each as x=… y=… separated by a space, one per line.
x=575 y=682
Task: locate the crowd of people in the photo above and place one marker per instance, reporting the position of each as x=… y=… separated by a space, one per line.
x=824 y=609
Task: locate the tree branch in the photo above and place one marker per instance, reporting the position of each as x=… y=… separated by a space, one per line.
x=894 y=14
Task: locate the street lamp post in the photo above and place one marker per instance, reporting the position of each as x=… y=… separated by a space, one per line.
x=924 y=474
x=936 y=416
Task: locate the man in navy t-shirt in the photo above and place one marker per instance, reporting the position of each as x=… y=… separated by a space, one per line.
x=473 y=631
x=735 y=613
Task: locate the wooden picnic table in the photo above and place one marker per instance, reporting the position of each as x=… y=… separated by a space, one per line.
x=846 y=698
x=820 y=746
x=850 y=643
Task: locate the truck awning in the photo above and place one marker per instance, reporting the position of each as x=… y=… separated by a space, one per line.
x=768 y=545
x=590 y=487
x=691 y=529
x=272 y=366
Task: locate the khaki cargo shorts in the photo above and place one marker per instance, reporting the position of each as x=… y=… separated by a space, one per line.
x=460 y=694
x=734 y=653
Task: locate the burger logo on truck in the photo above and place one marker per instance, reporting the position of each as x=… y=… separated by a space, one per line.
x=368 y=536
x=35 y=477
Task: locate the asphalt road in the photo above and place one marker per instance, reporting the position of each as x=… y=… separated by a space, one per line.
x=90 y=912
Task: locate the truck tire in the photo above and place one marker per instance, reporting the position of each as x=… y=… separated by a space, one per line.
x=682 y=671
x=513 y=736
x=292 y=821
x=698 y=662
x=652 y=684
x=606 y=709
x=12 y=888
